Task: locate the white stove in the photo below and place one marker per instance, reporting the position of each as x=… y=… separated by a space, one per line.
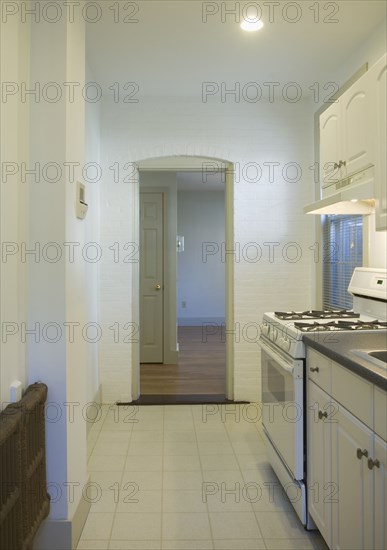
x=283 y=372
x=285 y=330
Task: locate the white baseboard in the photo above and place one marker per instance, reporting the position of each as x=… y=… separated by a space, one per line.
x=56 y=534
x=92 y=412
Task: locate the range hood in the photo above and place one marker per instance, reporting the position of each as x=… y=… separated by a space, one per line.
x=356 y=196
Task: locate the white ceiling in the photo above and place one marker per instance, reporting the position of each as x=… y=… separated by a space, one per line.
x=170 y=51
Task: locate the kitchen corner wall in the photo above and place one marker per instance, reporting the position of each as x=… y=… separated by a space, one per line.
x=14 y=63
x=92 y=234
x=274 y=241
x=60 y=290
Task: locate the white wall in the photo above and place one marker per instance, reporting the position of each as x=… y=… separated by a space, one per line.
x=264 y=212
x=13 y=203
x=200 y=268
x=92 y=234
x=60 y=292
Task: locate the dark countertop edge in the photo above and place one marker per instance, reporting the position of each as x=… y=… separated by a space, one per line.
x=351 y=364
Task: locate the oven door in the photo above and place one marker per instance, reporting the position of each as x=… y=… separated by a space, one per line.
x=282 y=407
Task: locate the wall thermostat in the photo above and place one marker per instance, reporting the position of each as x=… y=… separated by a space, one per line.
x=81 y=205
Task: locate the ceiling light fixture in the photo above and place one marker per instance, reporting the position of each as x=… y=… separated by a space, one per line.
x=251 y=25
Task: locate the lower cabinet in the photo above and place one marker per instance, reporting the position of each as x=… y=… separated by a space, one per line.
x=379 y=469
x=347 y=489
x=319 y=461
x=353 y=513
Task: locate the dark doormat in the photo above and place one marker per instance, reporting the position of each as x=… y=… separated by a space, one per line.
x=208 y=399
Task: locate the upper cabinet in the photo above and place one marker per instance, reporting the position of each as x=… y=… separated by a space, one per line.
x=346 y=135
x=353 y=138
x=378 y=78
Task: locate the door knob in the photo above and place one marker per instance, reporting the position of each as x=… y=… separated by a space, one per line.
x=158 y=287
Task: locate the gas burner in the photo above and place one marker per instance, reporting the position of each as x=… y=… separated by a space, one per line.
x=362 y=325
x=341 y=326
x=317 y=314
x=318 y=327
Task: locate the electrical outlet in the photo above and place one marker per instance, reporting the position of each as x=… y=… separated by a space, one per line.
x=183 y=304
x=15 y=391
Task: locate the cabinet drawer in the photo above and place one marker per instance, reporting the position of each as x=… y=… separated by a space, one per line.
x=380 y=412
x=319 y=369
x=354 y=393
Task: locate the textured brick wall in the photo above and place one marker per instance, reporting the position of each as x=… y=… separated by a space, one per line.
x=264 y=212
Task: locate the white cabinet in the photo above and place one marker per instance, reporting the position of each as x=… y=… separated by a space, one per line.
x=319 y=461
x=346 y=459
x=330 y=145
x=378 y=78
x=347 y=135
x=358 y=150
x=352 y=515
x=379 y=469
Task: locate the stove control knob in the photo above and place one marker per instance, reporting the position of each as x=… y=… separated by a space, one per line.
x=274 y=334
x=265 y=329
x=286 y=344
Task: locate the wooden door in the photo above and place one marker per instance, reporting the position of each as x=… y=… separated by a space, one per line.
x=151 y=278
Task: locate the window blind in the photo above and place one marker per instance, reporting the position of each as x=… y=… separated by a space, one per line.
x=342 y=252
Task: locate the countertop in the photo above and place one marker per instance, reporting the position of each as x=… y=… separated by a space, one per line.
x=339 y=347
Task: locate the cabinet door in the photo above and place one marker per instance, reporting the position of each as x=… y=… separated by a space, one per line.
x=378 y=75
x=319 y=478
x=357 y=128
x=353 y=514
x=330 y=146
x=380 y=454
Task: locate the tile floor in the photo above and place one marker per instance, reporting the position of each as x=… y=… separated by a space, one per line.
x=186 y=477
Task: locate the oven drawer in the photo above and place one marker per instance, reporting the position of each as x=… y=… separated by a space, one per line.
x=319 y=369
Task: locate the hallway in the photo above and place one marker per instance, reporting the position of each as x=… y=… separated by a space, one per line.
x=201 y=369
x=190 y=477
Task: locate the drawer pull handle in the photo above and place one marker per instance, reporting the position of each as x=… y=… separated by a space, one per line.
x=322 y=415
x=360 y=453
x=372 y=463
x=314 y=369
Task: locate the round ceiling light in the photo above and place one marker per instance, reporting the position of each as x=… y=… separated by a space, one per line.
x=251 y=25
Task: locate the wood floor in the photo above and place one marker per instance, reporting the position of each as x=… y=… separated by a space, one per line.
x=201 y=369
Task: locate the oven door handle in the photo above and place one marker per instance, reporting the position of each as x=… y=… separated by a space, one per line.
x=281 y=362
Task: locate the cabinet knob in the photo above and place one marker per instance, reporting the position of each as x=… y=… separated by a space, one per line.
x=360 y=453
x=372 y=463
x=322 y=415
x=314 y=369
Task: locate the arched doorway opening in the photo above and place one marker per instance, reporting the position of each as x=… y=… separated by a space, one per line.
x=206 y=168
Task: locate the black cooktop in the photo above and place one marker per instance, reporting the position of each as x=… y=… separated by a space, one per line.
x=316 y=314
x=341 y=325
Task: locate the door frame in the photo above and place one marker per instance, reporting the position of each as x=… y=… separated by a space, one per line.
x=190 y=163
